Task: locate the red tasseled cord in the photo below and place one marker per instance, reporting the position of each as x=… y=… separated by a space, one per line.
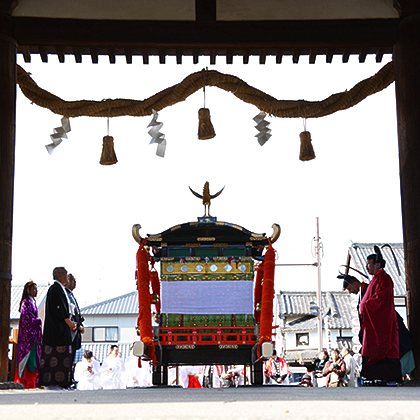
x=266 y=322
x=144 y=320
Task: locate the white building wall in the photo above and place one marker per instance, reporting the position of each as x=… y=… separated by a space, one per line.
x=128 y=335
x=313 y=339
x=123 y=321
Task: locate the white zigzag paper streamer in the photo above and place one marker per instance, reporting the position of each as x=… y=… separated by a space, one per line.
x=262 y=127
x=157 y=137
x=59 y=134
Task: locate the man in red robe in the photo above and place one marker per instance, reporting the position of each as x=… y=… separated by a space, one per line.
x=380 y=346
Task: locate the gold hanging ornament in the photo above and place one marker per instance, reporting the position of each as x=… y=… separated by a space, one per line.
x=205 y=127
x=108 y=156
x=306 y=149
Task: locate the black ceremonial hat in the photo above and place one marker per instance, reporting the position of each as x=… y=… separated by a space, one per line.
x=347 y=279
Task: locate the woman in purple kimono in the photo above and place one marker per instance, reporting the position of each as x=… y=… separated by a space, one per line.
x=28 y=351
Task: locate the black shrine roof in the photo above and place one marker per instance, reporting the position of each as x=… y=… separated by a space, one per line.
x=207 y=232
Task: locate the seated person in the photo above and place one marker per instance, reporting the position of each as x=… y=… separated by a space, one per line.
x=86 y=372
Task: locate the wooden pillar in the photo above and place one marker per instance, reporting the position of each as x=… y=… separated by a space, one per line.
x=8 y=50
x=407 y=86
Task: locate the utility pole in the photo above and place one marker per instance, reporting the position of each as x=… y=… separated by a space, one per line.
x=318 y=294
x=316 y=307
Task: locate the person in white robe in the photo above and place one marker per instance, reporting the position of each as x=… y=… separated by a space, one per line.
x=86 y=373
x=186 y=371
x=113 y=370
x=172 y=375
x=137 y=376
x=238 y=373
x=218 y=371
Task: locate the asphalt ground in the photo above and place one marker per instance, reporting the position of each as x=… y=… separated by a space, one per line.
x=267 y=402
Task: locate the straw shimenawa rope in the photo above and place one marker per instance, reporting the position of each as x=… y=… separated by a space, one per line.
x=196 y=81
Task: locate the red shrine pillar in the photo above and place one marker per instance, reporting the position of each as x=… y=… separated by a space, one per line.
x=8 y=49
x=407 y=86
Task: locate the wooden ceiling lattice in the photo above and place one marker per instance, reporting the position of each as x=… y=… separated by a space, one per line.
x=88 y=38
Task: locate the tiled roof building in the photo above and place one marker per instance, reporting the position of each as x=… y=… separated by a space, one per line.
x=127 y=304
x=294 y=307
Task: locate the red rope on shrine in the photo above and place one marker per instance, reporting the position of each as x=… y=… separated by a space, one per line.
x=266 y=322
x=258 y=292
x=144 y=321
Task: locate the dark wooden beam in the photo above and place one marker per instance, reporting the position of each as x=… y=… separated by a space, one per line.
x=8 y=6
x=312 y=56
x=77 y=55
x=43 y=53
x=94 y=55
x=263 y=56
x=205 y=10
x=128 y=56
x=196 y=55
x=60 y=54
x=229 y=57
x=162 y=57
x=245 y=56
x=407 y=7
x=407 y=90
x=346 y=55
x=213 y=55
x=330 y=55
x=362 y=55
x=178 y=56
x=203 y=35
x=8 y=48
x=145 y=55
x=379 y=55
x=26 y=54
x=111 y=55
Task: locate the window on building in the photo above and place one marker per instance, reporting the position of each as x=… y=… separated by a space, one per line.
x=302 y=339
x=88 y=334
x=100 y=334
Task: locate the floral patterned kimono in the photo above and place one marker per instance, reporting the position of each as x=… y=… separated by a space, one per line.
x=28 y=351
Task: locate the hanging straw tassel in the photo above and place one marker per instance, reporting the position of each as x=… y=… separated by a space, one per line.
x=306 y=149
x=205 y=127
x=108 y=156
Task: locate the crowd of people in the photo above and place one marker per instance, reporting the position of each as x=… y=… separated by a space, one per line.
x=114 y=373
x=45 y=357
x=339 y=368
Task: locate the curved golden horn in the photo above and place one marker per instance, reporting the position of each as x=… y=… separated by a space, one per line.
x=136 y=234
x=276 y=232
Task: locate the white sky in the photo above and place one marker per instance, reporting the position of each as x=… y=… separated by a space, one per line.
x=71 y=211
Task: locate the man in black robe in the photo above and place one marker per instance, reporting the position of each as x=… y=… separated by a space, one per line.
x=75 y=316
x=56 y=357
